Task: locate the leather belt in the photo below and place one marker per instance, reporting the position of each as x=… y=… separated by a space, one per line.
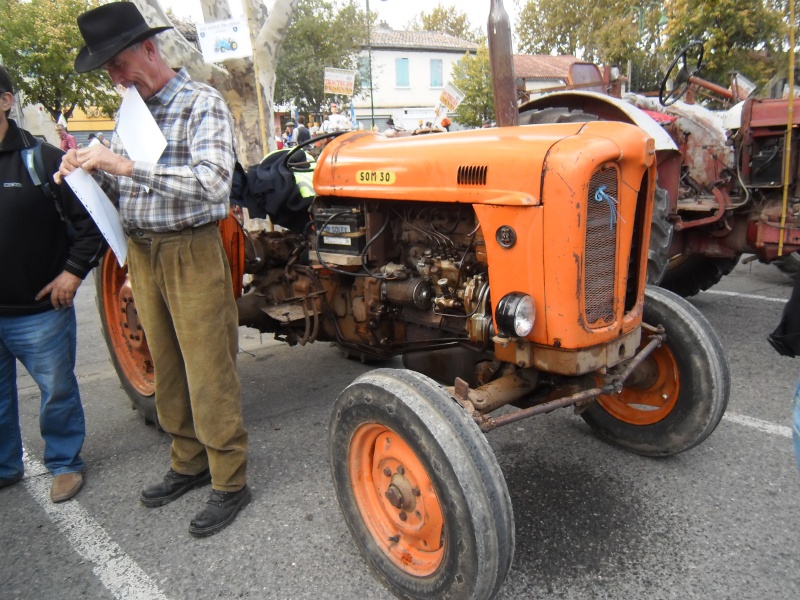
x=137 y=234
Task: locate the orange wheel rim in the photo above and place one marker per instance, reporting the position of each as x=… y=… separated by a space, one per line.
x=650 y=393
x=397 y=499
x=125 y=333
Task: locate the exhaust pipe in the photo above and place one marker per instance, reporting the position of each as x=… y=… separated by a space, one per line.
x=502 y=64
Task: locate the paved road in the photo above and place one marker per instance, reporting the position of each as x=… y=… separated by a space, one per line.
x=721 y=521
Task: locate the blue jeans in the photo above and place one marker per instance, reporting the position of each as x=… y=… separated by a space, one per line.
x=45 y=344
x=796 y=424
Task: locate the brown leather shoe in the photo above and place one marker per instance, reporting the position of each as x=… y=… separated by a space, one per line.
x=65 y=486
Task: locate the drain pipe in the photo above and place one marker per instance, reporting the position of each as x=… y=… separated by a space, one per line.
x=502 y=63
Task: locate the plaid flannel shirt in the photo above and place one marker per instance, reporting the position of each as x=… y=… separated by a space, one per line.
x=190 y=185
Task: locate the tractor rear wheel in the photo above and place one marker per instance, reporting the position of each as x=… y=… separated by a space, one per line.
x=124 y=335
x=677 y=396
x=555 y=114
x=660 y=238
x=419 y=488
x=689 y=275
x=789 y=264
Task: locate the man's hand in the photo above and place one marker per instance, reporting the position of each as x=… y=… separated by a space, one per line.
x=96 y=157
x=69 y=162
x=62 y=290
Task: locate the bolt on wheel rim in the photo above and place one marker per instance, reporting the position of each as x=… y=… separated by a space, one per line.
x=397 y=499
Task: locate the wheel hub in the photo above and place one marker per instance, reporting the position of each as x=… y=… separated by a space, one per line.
x=397 y=499
x=400 y=493
x=131 y=323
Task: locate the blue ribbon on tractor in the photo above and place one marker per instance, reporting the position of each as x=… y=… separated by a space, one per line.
x=601 y=196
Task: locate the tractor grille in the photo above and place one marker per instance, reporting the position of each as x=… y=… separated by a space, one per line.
x=601 y=247
x=472 y=175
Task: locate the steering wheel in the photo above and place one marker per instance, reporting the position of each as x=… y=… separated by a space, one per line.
x=691 y=53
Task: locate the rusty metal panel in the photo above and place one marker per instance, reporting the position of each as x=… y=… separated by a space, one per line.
x=771 y=112
x=587 y=76
x=564 y=361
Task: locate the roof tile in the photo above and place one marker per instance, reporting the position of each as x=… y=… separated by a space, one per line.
x=383 y=37
x=543 y=66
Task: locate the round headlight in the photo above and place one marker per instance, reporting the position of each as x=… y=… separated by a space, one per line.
x=515 y=313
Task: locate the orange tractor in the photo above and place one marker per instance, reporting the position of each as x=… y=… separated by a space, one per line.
x=507 y=267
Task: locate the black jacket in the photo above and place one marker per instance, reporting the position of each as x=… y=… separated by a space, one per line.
x=302 y=134
x=34 y=245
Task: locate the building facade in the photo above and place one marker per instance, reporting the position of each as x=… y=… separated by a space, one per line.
x=409 y=71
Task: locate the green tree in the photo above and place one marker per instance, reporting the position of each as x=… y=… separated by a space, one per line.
x=447 y=20
x=321 y=34
x=472 y=75
x=738 y=35
x=557 y=27
x=39 y=40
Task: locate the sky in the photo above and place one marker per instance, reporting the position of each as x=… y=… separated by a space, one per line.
x=397 y=13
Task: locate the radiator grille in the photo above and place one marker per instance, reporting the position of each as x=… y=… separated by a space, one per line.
x=601 y=247
x=472 y=175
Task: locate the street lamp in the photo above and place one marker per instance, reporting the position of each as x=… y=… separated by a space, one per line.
x=369 y=58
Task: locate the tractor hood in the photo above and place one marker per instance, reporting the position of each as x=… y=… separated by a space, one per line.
x=500 y=166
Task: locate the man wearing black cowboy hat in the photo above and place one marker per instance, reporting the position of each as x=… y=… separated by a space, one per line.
x=179 y=273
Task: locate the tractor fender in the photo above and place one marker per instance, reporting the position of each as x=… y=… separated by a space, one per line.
x=607 y=108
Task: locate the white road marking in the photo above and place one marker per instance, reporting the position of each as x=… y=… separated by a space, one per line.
x=751 y=296
x=115 y=569
x=764 y=426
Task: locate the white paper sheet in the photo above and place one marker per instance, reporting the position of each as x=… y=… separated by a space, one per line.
x=138 y=130
x=101 y=209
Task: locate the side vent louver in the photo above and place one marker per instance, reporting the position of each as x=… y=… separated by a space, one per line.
x=472 y=175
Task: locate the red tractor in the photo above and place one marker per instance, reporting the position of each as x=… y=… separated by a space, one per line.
x=722 y=174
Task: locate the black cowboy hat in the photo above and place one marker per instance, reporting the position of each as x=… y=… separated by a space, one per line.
x=108 y=30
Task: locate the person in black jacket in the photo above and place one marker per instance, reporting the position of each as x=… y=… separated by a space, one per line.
x=41 y=268
x=301 y=134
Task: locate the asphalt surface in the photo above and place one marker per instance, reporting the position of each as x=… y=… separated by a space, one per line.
x=720 y=521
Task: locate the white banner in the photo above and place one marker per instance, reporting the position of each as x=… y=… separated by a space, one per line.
x=451 y=97
x=339 y=81
x=224 y=40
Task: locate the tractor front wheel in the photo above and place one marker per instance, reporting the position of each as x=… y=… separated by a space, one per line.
x=677 y=396
x=419 y=488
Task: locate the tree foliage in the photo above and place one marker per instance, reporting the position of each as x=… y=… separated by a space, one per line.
x=557 y=27
x=447 y=20
x=39 y=40
x=321 y=34
x=738 y=35
x=605 y=32
x=472 y=75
